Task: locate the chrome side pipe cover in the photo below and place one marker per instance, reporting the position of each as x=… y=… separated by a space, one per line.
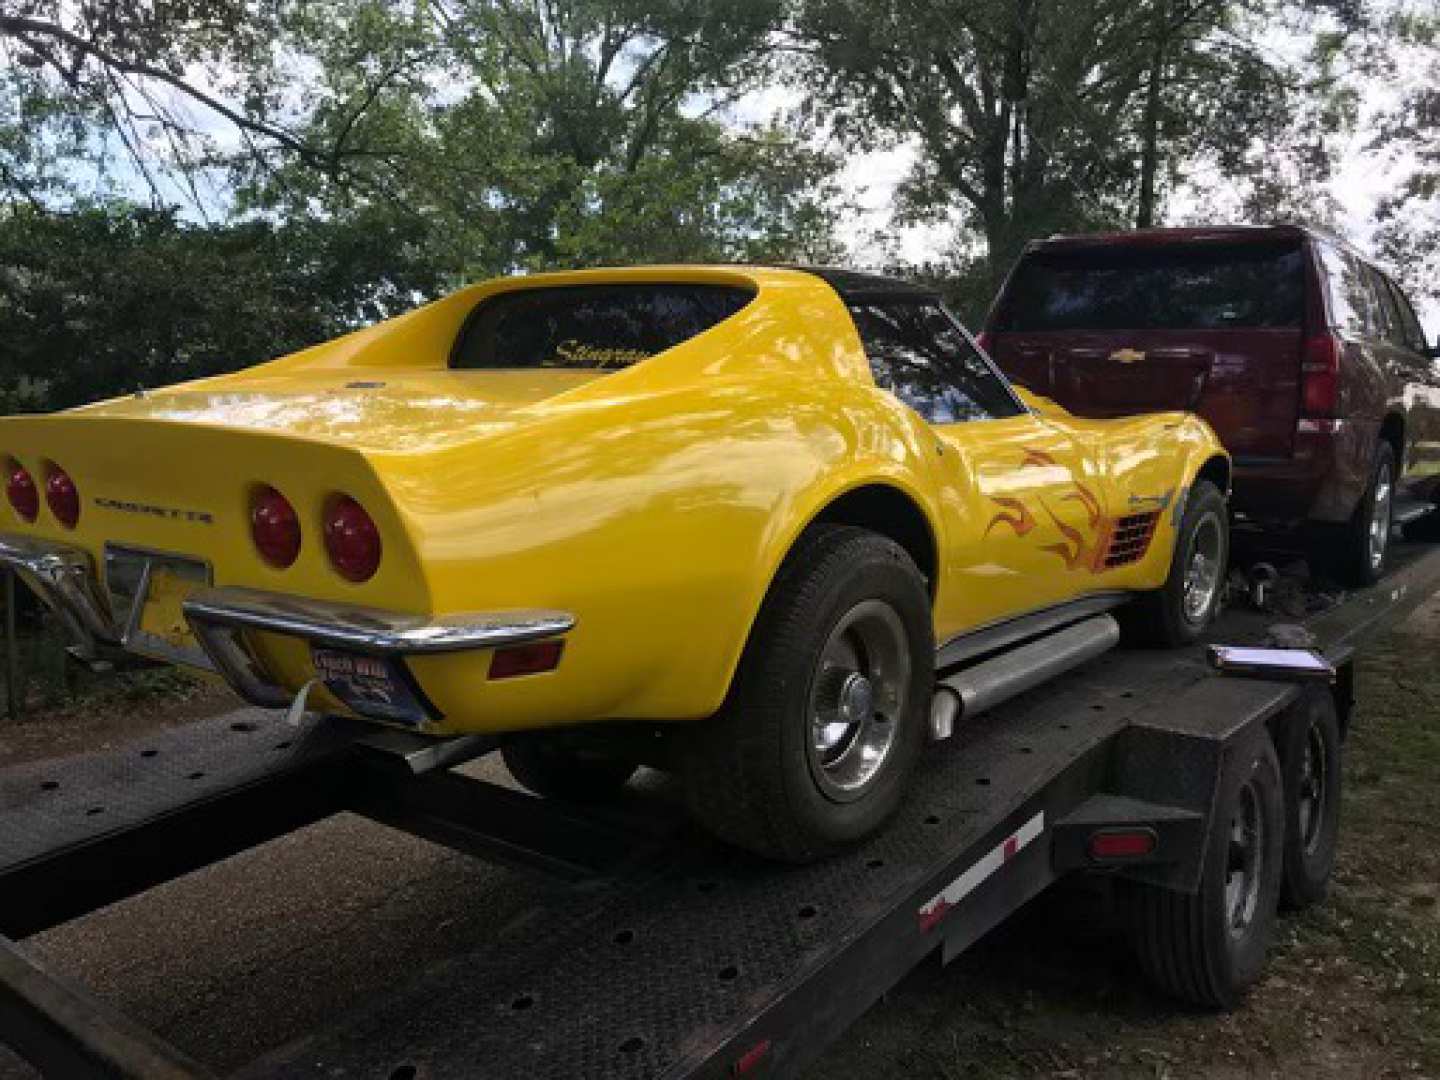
x=987 y=684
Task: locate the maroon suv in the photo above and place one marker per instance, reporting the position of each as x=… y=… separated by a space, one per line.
x=1306 y=359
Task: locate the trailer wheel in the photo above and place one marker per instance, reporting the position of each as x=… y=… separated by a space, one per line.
x=826 y=714
x=552 y=768
x=1209 y=948
x=1178 y=612
x=1309 y=743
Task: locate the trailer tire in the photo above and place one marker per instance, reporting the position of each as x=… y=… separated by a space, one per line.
x=1178 y=612
x=826 y=715
x=1309 y=745
x=550 y=767
x=1210 y=947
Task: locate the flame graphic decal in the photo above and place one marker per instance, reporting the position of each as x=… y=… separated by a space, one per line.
x=1075 y=550
x=1013 y=513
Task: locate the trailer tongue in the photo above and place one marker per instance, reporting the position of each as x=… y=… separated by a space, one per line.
x=661 y=954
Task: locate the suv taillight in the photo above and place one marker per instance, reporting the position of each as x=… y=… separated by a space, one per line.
x=351 y=539
x=20 y=489
x=1320 y=376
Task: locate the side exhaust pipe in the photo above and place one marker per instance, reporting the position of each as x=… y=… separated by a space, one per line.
x=987 y=684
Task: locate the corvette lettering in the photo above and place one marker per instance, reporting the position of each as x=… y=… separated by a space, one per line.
x=169 y=513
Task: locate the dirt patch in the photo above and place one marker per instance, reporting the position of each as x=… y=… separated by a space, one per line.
x=1353 y=988
x=100 y=719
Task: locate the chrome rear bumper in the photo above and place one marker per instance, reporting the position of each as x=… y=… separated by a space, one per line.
x=220 y=617
x=64 y=579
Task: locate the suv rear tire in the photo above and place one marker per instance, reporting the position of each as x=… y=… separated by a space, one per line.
x=827 y=712
x=1364 y=541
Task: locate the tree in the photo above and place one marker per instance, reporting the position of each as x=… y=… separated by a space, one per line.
x=567 y=134
x=1038 y=115
x=1404 y=51
x=102 y=301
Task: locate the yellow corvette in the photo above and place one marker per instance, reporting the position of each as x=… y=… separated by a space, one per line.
x=728 y=520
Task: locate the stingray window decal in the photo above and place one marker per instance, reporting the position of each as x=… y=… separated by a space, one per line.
x=590 y=327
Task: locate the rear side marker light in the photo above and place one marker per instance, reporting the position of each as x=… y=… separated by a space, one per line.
x=352 y=539
x=21 y=491
x=62 y=497
x=275 y=528
x=1120 y=844
x=531 y=659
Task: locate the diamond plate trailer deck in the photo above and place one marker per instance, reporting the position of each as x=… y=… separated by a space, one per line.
x=665 y=955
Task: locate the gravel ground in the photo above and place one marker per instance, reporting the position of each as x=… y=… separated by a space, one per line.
x=251 y=952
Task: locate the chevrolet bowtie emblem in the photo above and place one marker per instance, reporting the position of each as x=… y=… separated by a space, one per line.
x=1127 y=356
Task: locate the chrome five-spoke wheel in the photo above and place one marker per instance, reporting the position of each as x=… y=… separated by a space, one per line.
x=1203 y=568
x=857 y=698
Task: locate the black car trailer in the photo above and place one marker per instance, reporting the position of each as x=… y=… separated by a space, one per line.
x=665 y=955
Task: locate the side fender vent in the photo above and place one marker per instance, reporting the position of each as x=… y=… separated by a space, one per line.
x=1131 y=539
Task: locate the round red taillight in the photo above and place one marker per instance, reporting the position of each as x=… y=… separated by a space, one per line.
x=352 y=539
x=20 y=489
x=61 y=496
x=275 y=527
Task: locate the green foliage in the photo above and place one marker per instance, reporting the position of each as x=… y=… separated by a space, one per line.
x=103 y=301
x=563 y=134
x=1033 y=116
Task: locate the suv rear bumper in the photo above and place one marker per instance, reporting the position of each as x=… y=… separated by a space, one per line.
x=1322 y=480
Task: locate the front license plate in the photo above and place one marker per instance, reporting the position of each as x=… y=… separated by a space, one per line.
x=147 y=591
x=376 y=687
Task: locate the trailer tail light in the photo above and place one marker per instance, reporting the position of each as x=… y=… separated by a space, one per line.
x=21 y=491
x=275 y=527
x=62 y=497
x=351 y=539
x=1112 y=845
x=530 y=659
x=753 y=1058
x=1320 y=376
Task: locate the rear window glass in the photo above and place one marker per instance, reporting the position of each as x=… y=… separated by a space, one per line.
x=1193 y=288
x=590 y=327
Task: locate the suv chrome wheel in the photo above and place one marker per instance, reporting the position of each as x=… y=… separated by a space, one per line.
x=1380 y=516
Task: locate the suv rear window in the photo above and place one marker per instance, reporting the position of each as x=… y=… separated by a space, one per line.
x=590 y=327
x=1209 y=287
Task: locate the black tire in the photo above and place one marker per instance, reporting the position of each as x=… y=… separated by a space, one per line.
x=1310 y=761
x=556 y=769
x=1352 y=557
x=1161 y=618
x=1185 y=943
x=752 y=773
